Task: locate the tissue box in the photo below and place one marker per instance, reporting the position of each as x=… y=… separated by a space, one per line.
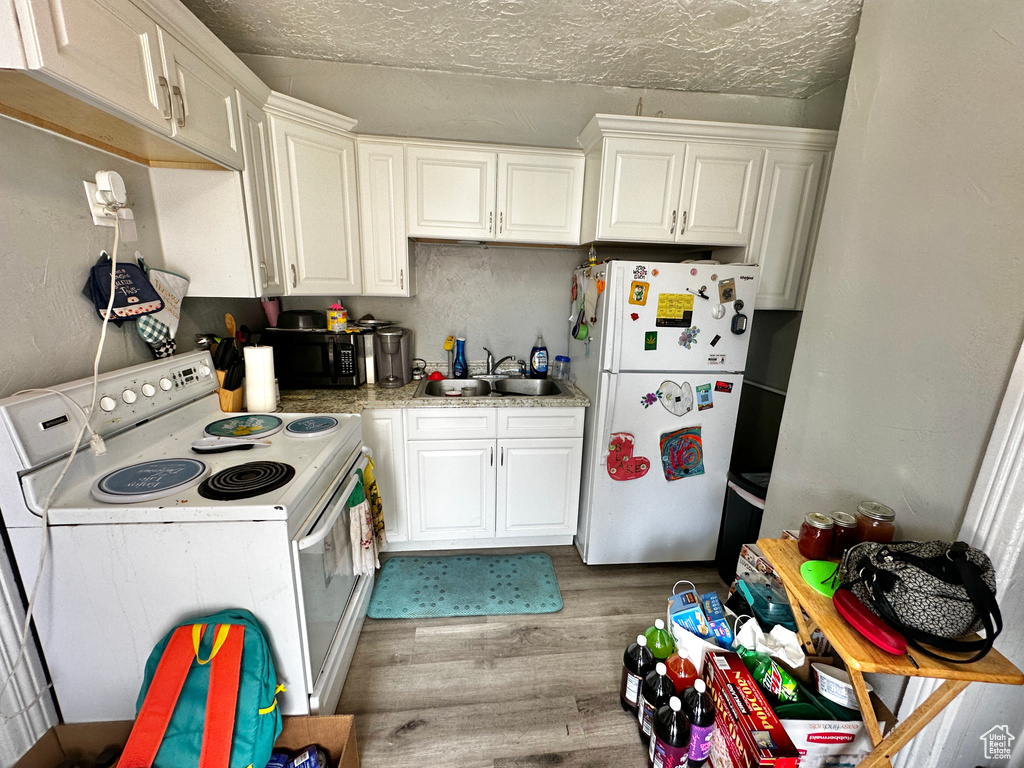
x=716 y=619
x=684 y=611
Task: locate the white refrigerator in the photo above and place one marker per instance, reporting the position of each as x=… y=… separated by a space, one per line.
x=660 y=350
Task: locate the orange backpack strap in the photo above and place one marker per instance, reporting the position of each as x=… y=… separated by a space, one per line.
x=221 y=700
x=153 y=718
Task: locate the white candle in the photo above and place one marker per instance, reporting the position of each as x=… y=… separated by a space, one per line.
x=260 y=395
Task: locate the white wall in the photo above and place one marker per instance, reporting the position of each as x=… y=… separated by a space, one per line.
x=440 y=105
x=913 y=315
x=47 y=244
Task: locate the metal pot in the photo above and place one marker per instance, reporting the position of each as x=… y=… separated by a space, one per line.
x=302 y=319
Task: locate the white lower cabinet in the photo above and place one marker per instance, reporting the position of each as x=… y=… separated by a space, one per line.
x=538 y=486
x=384 y=435
x=469 y=482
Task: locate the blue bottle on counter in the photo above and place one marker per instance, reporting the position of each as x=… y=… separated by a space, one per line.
x=460 y=368
x=539 y=359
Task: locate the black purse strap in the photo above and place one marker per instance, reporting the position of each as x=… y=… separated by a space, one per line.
x=979 y=594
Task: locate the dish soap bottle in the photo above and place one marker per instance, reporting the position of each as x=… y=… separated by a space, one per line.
x=460 y=369
x=539 y=359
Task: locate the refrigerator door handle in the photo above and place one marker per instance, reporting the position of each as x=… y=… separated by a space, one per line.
x=605 y=412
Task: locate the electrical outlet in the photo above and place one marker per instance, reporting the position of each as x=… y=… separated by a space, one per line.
x=99 y=216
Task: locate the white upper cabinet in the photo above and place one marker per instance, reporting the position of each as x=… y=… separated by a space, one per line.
x=539 y=198
x=451 y=192
x=260 y=201
x=315 y=182
x=106 y=49
x=384 y=240
x=202 y=104
x=719 y=190
x=663 y=191
x=788 y=212
x=473 y=193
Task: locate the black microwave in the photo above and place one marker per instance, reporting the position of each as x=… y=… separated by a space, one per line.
x=305 y=359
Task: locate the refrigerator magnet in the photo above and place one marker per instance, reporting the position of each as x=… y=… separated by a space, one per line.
x=677 y=398
x=723 y=386
x=704 y=397
x=682 y=453
x=688 y=337
x=634 y=316
x=650 y=399
x=638 y=292
x=639 y=272
x=727 y=290
x=650 y=341
x=675 y=310
x=716 y=339
x=718 y=311
x=622 y=464
x=716 y=359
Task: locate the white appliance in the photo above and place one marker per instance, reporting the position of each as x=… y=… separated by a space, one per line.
x=120 y=574
x=661 y=332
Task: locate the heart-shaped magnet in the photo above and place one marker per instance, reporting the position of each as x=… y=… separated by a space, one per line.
x=677 y=398
x=622 y=464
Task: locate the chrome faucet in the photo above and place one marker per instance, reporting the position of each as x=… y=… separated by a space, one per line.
x=493 y=366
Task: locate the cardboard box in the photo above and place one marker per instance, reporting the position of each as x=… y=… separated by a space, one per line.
x=747 y=732
x=836 y=743
x=753 y=567
x=684 y=611
x=84 y=741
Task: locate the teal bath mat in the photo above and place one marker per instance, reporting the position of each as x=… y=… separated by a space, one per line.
x=465 y=585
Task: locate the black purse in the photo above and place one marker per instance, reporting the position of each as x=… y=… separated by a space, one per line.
x=932 y=592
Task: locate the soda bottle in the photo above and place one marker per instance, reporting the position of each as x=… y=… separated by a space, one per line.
x=700 y=709
x=636 y=663
x=539 y=359
x=670 y=739
x=659 y=641
x=655 y=692
x=681 y=671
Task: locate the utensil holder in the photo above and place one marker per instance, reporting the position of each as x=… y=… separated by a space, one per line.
x=230 y=399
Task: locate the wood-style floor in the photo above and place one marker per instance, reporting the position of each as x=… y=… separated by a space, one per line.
x=512 y=691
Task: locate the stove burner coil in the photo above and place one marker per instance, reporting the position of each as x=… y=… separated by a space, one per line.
x=244 y=481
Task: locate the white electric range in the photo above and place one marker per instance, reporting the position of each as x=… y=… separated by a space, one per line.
x=150 y=533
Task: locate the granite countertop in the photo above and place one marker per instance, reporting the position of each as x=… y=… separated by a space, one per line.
x=373 y=396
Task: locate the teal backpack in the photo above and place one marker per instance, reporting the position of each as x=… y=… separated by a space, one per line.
x=209 y=698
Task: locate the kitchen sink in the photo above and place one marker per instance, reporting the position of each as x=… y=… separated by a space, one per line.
x=527 y=387
x=490 y=387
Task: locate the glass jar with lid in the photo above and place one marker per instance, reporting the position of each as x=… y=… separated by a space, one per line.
x=845 y=532
x=815 y=540
x=875 y=522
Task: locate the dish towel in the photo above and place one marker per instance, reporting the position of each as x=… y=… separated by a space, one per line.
x=364 y=542
x=376 y=506
x=160 y=328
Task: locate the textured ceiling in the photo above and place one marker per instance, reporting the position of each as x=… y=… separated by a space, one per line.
x=790 y=48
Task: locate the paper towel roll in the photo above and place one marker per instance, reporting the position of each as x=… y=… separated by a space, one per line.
x=260 y=396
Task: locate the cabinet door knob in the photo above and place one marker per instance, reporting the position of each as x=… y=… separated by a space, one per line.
x=401 y=278
x=181 y=105
x=672 y=229
x=168 y=112
x=501 y=221
x=490 y=221
x=295 y=280
x=492 y=455
x=682 y=224
x=502 y=457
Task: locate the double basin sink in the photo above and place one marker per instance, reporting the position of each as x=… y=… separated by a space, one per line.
x=490 y=387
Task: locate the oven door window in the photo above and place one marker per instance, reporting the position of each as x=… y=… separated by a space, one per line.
x=325 y=572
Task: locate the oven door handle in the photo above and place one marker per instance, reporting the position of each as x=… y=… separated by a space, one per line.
x=318 y=534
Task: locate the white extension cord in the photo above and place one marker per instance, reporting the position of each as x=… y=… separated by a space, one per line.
x=96 y=442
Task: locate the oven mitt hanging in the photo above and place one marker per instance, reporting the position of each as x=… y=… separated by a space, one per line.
x=158 y=330
x=134 y=296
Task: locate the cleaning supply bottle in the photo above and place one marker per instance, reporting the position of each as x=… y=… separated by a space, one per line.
x=659 y=641
x=460 y=368
x=681 y=671
x=655 y=692
x=539 y=359
x=700 y=710
x=636 y=663
x=670 y=737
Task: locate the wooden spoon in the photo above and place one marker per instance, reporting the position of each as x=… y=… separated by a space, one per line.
x=229 y=322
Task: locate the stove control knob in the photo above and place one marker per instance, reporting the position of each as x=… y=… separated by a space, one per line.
x=148 y=390
x=204 y=370
x=165 y=384
x=107 y=403
x=129 y=396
